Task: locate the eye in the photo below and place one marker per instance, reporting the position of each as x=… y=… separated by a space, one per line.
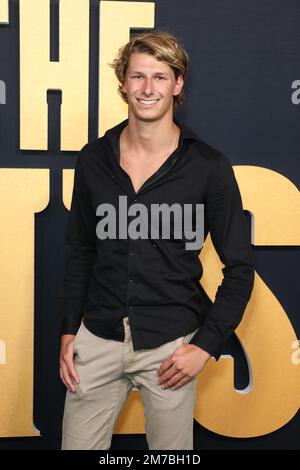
x=139 y=76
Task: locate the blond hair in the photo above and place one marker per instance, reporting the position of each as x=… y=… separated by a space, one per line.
x=164 y=47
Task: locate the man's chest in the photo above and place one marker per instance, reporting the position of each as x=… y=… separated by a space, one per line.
x=181 y=178
x=140 y=169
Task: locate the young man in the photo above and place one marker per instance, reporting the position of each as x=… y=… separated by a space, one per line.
x=147 y=322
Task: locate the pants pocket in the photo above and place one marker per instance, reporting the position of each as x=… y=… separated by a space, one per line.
x=187 y=338
x=75 y=344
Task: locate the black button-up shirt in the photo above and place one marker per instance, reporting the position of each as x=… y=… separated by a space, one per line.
x=155 y=282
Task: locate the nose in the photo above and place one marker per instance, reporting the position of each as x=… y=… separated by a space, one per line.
x=147 y=88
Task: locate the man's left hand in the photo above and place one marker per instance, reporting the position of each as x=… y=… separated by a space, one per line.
x=182 y=366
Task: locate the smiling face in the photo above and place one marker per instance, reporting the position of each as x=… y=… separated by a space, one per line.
x=150 y=86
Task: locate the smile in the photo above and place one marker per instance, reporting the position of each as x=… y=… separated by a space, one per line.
x=147 y=103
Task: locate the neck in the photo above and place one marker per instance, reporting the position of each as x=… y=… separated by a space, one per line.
x=150 y=137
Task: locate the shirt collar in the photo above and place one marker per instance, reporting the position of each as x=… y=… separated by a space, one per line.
x=113 y=134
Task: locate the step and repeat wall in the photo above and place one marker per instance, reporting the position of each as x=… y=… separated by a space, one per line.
x=57 y=92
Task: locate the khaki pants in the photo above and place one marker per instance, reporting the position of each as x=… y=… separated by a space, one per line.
x=108 y=370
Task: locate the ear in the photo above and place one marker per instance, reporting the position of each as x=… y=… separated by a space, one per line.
x=123 y=88
x=178 y=86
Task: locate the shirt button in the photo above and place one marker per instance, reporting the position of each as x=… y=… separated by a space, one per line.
x=131 y=253
x=130 y=280
x=130 y=306
x=154 y=245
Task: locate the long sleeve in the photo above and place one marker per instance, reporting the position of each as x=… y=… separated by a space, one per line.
x=80 y=252
x=227 y=225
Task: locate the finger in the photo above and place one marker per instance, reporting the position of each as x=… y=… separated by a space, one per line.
x=168 y=374
x=67 y=378
x=71 y=369
x=62 y=379
x=173 y=380
x=181 y=382
x=165 y=365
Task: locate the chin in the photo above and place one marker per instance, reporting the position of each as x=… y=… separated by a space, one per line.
x=148 y=115
x=145 y=116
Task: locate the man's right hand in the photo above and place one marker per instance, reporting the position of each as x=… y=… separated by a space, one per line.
x=67 y=370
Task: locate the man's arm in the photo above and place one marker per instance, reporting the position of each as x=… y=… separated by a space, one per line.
x=227 y=224
x=80 y=254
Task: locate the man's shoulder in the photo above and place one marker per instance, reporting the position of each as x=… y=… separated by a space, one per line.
x=92 y=150
x=92 y=146
x=200 y=147
x=210 y=155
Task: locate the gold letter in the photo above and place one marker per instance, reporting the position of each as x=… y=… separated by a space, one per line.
x=38 y=74
x=23 y=192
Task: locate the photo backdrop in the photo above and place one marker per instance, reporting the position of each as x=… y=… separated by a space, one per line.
x=243 y=97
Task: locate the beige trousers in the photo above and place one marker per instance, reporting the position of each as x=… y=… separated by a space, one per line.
x=108 y=370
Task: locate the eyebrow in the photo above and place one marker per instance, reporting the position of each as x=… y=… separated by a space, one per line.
x=156 y=73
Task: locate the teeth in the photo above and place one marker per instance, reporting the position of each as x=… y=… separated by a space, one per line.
x=148 y=101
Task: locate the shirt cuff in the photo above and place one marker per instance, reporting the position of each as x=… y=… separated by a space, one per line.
x=70 y=325
x=210 y=341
